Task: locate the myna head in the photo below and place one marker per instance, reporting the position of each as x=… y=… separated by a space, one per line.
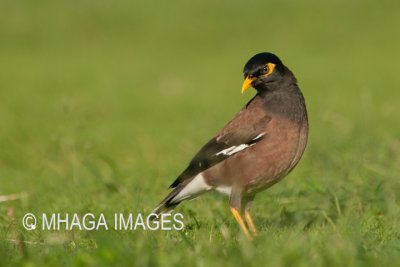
x=261 y=70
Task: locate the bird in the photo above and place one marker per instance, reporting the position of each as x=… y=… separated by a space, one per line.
x=256 y=149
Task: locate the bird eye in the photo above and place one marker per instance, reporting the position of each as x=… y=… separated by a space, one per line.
x=265 y=70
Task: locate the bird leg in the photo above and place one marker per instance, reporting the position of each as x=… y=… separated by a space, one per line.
x=240 y=221
x=235 y=202
x=249 y=222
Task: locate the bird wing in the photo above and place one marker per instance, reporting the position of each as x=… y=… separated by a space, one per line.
x=244 y=130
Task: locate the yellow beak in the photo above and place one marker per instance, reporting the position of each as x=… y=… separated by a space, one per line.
x=247 y=83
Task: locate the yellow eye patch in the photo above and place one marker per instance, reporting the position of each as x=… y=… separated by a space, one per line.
x=269 y=68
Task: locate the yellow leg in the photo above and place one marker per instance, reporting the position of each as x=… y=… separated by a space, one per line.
x=239 y=219
x=250 y=223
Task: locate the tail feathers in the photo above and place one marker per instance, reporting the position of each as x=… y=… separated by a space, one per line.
x=186 y=190
x=166 y=204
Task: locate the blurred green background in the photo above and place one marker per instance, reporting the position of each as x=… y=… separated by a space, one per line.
x=103 y=103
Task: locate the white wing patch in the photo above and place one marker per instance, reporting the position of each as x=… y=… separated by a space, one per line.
x=234 y=149
x=258 y=136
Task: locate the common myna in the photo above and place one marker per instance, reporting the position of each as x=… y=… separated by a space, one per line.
x=256 y=149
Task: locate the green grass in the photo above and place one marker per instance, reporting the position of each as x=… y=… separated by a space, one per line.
x=103 y=103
